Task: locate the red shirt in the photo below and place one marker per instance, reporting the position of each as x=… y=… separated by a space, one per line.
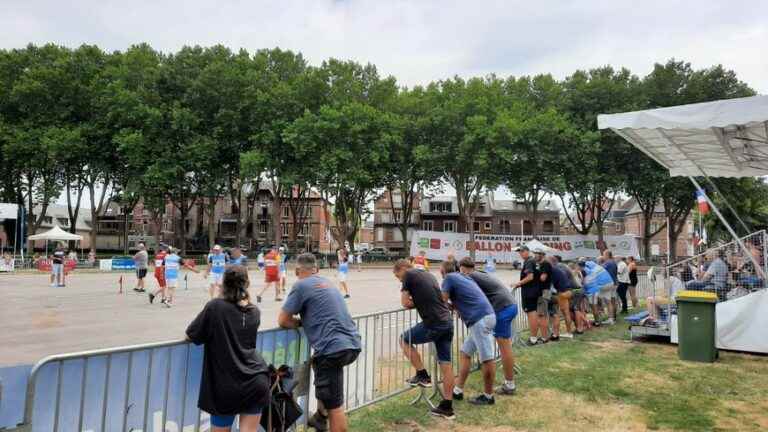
x=159 y=257
x=420 y=262
x=271 y=264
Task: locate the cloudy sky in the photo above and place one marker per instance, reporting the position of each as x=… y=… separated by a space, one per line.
x=419 y=41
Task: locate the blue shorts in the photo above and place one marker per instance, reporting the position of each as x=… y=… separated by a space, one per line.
x=504 y=318
x=442 y=337
x=481 y=339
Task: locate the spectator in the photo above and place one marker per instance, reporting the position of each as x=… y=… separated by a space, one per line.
x=545 y=307
x=609 y=264
x=598 y=285
x=234 y=377
x=562 y=281
x=506 y=310
x=715 y=278
x=632 y=265
x=529 y=291
x=421 y=291
x=623 y=278
x=478 y=315
x=236 y=257
x=420 y=262
x=57 y=267
x=579 y=303
x=655 y=303
x=331 y=333
x=490 y=264
x=748 y=275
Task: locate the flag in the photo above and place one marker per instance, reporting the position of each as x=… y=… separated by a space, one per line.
x=701 y=200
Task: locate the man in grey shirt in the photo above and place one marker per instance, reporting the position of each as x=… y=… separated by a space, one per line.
x=141 y=261
x=332 y=334
x=714 y=279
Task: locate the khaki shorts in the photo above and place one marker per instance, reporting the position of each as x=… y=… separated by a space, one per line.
x=607 y=292
x=542 y=306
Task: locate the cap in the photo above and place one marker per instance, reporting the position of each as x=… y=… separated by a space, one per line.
x=521 y=248
x=282 y=248
x=539 y=251
x=216 y=247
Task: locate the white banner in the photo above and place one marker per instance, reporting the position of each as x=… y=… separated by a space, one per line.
x=9 y=211
x=438 y=245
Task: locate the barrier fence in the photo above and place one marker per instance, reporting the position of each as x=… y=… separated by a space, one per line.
x=154 y=387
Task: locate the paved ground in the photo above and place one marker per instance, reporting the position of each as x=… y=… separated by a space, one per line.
x=38 y=320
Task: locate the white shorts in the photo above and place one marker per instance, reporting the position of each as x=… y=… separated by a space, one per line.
x=282 y=275
x=215 y=278
x=172 y=283
x=342 y=277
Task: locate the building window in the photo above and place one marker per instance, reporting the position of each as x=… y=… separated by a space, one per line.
x=263 y=227
x=440 y=207
x=527 y=228
x=476 y=226
x=449 y=226
x=380 y=235
x=506 y=227
x=488 y=226
x=549 y=227
x=397 y=215
x=285 y=229
x=428 y=225
x=286 y=211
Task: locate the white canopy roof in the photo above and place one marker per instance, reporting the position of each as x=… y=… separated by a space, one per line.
x=726 y=138
x=56 y=233
x=535 y=245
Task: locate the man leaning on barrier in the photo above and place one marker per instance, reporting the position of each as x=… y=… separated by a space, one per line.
x=332 y=335
x=421 y=291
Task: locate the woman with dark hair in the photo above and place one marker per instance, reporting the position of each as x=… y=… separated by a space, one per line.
x=235 y=380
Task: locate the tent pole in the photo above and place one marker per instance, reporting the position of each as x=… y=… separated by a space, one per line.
x=743 y=247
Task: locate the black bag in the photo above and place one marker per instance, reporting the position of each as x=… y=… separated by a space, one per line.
x=283 y=411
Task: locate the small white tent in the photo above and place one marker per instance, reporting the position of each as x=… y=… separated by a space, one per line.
x=535 y=244
x=56 y=233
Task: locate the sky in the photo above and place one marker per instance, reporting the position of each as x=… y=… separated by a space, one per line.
x=421 y=41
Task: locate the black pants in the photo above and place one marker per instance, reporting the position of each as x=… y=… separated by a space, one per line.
x=622 y=291
x=329 y=377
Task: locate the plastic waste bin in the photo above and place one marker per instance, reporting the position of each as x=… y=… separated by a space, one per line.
x=696 y=326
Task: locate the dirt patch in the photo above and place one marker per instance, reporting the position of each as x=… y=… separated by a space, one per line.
x=647 y=380
x=46 y=319
x=610 y=346
x=525 y=412
x=744 y=416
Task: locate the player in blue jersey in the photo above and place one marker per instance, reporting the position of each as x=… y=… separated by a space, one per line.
x=172 y=263
x=343 y=273
x=214 y=273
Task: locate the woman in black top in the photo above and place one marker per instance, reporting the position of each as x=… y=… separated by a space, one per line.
x=235 y=380
x=632 y=264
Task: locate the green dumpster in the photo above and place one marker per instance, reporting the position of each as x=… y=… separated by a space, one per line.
x=696 y=326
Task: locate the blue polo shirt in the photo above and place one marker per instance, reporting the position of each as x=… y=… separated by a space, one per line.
x=613 y=270
x=467 y=297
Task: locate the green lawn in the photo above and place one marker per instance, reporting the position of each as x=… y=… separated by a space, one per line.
x=602 y=382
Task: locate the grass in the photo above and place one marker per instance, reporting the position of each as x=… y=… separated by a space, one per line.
x=602 y=382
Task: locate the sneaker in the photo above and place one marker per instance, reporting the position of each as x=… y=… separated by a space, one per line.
x=567 y=335
x=151 y=298
x=258 y=299
x=458 y=396
x=506 y=390
x=346 y=296
x=420 y=381
x=542 y=341
x=532 y=342
x=443 y=410
x=277 y=299
x=579 y=332
x=554 y=338
x=136 y=289
x=318 y=422
x=167 y=304
x=482 y=400
x=609 y=321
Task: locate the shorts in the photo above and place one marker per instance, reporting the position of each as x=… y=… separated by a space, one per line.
x=215 y=278
x=141 y=273
x=342 y=277
x=329 y=377
x=592 y=298
x=160 y=279
x=530 y=303
x=542 y=306
x=271 y=277
x=172 y=283
x=504 y=318
x=441 y=336
x=553 y=307
x=57 y=269
x=261 y=266
x=282 y=274
x=255 y=407
x=607 y=292
x=576 y=301
x=481 y=339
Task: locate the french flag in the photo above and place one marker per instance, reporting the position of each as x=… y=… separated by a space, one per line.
x=701 y=200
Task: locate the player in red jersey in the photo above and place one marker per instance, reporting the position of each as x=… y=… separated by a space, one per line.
x=421 y=262
x=159 y=272
x=271 y=274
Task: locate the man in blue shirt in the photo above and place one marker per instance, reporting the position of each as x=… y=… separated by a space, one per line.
x=237 y=258
x=478 y=315
x=331 y=333
x=613 y=269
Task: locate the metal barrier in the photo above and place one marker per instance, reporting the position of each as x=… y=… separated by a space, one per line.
x=151 y=387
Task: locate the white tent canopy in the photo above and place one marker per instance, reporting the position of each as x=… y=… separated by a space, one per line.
x=726 y=138
x=535 y=244
x=56 y=233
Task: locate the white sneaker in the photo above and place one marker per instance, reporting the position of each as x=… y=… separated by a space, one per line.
x=609 y=321
x=566 y=335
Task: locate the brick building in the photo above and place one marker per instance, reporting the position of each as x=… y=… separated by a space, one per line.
x=634 y=223
x=385 y=229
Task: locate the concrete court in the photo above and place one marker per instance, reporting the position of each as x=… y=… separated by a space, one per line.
x=38 y=320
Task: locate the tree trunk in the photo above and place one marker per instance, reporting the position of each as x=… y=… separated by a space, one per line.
x=277 y=218
x=211 y=221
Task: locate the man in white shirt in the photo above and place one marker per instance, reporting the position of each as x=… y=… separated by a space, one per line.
x=622 y=274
